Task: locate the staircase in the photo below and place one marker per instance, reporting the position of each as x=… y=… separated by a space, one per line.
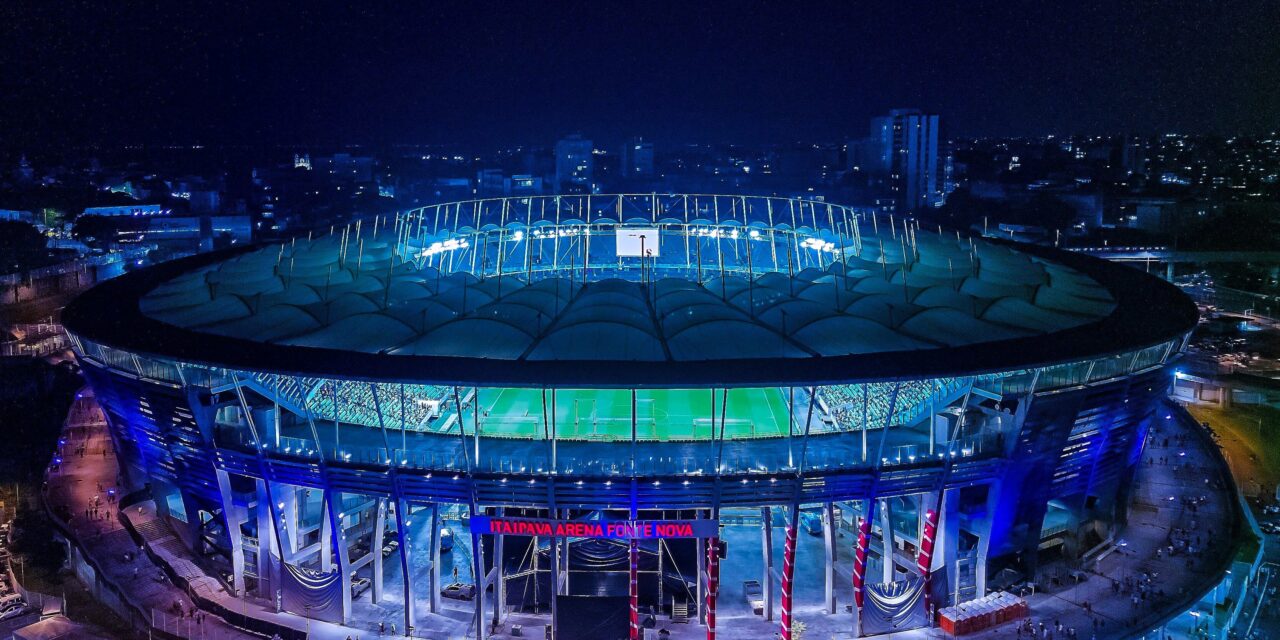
x=153 y=530
x=679 y=611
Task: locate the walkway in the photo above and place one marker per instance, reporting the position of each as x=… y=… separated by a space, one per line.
x=80 y=493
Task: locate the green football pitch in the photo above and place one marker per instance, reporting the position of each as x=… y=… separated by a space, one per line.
x=605 y=414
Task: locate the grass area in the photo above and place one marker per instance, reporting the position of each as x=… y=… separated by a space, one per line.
x=605 y=414
x=1250 y=438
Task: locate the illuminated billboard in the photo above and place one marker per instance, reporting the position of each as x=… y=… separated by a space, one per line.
x=637 y=243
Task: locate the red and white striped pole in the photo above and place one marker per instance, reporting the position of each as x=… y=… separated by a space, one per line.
x=788 y=574
x=634 y=590
x=713 y=584
x=860 y=566
x=860 y=560
x=924 y=562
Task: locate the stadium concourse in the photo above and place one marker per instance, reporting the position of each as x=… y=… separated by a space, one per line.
x=746 y=413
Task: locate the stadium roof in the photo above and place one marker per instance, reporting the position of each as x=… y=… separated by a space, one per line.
x=393 y=307
x=903 y=313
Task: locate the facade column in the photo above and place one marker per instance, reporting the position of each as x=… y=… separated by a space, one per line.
x=480 y=579
x=766 y=535
x=948 y=539
x=984 y=541
x=232 y=518
x=338 y=538
x=265 y=532
x=886 y=537
x=290 y=517
x=326 y=536
x=406 y=580
x=829 y=554
x=499 y=590
x=434 y=600
x=375 y=547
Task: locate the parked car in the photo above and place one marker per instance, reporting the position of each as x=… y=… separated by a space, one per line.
x=754 y=595
x=459 y=591
x=446 y=540
x=390 y=547
x=13 y=611
x=359 y=586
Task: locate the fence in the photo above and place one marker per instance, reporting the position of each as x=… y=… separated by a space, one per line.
x=163 y=620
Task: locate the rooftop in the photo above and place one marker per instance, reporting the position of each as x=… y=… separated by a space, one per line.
x=562 y=300
x=389 y=304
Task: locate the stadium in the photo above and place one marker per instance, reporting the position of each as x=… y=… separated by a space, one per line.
x=616 y=409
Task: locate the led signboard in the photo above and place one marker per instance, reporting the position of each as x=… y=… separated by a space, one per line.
x=618 y=529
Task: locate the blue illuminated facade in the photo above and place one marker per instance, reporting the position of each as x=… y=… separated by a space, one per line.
x=281 y=473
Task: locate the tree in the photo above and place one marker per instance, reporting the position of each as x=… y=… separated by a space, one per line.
x=22 y=246
x=1240 y=227
x=963 y=211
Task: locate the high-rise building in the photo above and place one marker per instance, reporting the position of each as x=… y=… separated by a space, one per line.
x=637 y=158
x=862 y=155
x=906 y=144
x=1133 y=156
x=574 y=165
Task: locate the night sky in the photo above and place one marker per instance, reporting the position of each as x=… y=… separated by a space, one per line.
x=115 y=72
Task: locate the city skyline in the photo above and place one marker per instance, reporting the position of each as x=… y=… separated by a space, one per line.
x=746 y=73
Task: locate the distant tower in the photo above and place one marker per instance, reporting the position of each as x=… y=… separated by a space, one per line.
x=302 y=161
x=637 y=158
x=1133 y=156
x=575 y=166
x=906 y=143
